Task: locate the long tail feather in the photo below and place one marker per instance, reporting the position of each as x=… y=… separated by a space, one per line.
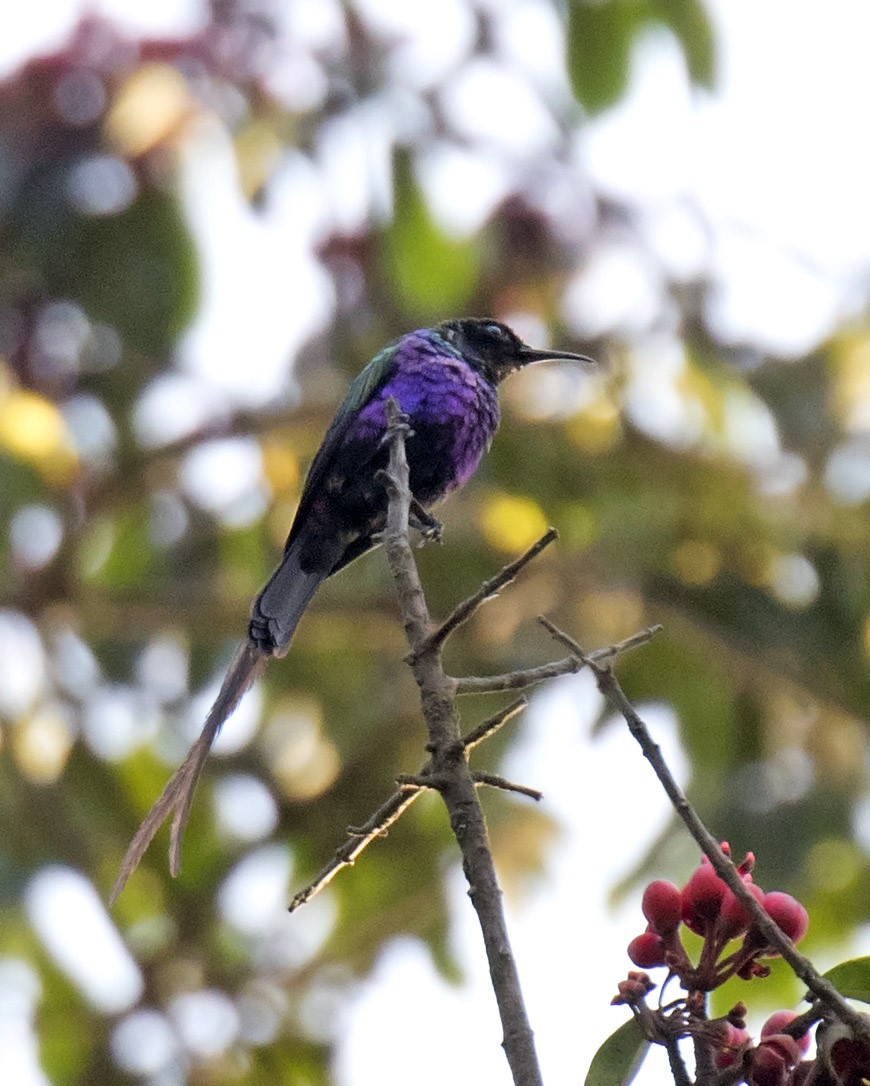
x=177 y=796
x=278 y=608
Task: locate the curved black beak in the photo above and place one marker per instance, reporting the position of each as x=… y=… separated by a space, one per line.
x=527 y=355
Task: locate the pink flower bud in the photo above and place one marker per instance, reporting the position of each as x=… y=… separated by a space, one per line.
x=662 y=906
x=788 y=914
x=702 y=899
x=734 y=1042
x=734 y=918
x=647 y=950
x=777 y=1023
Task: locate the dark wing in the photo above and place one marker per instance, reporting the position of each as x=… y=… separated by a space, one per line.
x=366 y=383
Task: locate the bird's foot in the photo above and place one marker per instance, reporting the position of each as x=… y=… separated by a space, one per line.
x=400 y=422
x=430 y=529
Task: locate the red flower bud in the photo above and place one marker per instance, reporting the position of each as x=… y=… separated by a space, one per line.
x=734 y=918
x=702 y=899
x=788 y=914
x=647 y=950
x=662 y=906
x=777 y=1023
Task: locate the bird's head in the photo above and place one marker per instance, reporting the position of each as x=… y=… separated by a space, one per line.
x=495 y=349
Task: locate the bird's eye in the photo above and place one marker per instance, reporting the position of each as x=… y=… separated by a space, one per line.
x=496 y=330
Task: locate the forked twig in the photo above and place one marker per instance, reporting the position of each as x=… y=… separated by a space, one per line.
x=487 y=591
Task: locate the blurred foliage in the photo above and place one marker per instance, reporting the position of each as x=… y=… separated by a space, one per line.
x=601 y=34
x=739 y=522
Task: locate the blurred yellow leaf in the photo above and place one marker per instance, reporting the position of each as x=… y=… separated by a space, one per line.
x=280 y=466
x=41 y=745
x=512 y=522
x=303 y=759
x=150 y=108
x=597 y=427
x=850 y=393
x=833 y=864
x=258 y=153
x=696 y=562
x=32 y=429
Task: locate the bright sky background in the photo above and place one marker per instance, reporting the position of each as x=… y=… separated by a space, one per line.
x=776 y=163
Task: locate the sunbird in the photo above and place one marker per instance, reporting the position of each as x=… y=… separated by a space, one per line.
x=445 y=380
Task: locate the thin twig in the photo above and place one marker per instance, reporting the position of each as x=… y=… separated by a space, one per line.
x=487 y=591
x=492 y=724
x=410 y=786
x=522 y=680
x=359 y=838
x=797 y=1027
x=495 y=781
x=722 y=864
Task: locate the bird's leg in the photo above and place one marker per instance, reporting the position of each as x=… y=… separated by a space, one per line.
x=432 y=530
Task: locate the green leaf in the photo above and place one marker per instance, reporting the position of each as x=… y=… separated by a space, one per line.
x=600 y=37
x=852 y=979
x=431 y=274
x=136 y=269
x=688 y=21
x=618 y=1060
x=599 y=43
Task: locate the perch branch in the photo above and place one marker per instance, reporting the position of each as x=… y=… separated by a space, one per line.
x=493 y=723
x=450 y=765
x=495 y=781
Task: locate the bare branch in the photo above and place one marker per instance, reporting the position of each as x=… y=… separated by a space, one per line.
x=518 y=680
x=450 y=766
x=495 y=781
x=410 y=786
x=522 y=680
x=492 y=724
x=359 y=839
x=487 y=591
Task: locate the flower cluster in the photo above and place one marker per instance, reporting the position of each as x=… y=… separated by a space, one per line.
x=709 y=908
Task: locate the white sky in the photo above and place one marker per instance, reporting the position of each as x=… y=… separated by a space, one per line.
x=776 y=161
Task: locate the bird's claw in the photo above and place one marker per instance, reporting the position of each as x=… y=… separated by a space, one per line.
x=400 y=423
x=430 y=529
